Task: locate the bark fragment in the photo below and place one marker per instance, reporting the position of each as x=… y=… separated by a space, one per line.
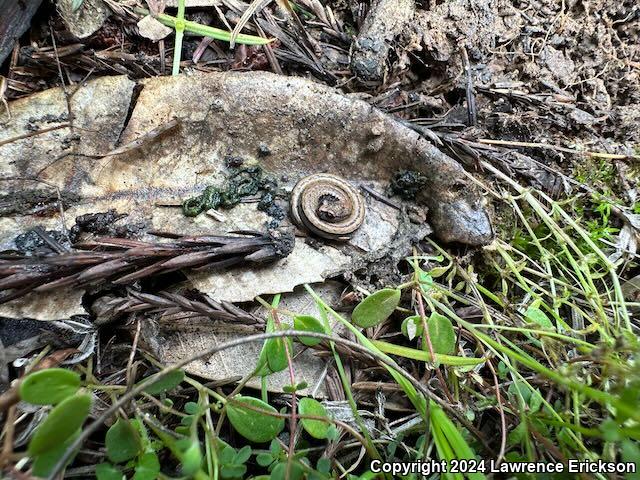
x=385 y=21
x=14 y=21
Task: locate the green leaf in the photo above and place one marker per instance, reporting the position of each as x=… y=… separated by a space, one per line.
x=518 y=434
x=630 y=396
x=536 y=315
x=233 y=471
x=122 y=441
x=227 y=454
x=148 y=467
x=275 y=448
x=106 y=471
x=412 y=327
x=315 y=428
x=262 y=368
x=442 y=334
x=519 y=388
x=276 y=354
x=191 y=408
x=191 y=458
x=168 y=382
x=252 y=425
x=65 y=418
x=426 y=281
x=630 y=453
x=264 y=459
x=50 y=386
x=43 y=464
x=243 y=455
x=535 y=401
x=309 y=324
x=376 y=308
x=294 y=388
x=324 y=465
x=610 y=430
x=280 y=472
x=76 y=4
x=437 y=272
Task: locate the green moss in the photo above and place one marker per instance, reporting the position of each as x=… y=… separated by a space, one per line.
x=598 y=173
x=242 y=183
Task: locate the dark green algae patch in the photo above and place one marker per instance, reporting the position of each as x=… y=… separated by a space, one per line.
x=242 y=182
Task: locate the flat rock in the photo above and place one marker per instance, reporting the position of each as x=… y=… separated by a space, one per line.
x=87 y=19
x=305 y=127
x=172 y=342
x=99 y=110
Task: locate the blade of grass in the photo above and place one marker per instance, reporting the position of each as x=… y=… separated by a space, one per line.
x=565 y=241
x=254 y=7
x=207 y=31
x=425 y=356
x=373 y=451
x=452 y=436
x=418 y=401
x=445 y=452
x=601 y=397
x=177 y=49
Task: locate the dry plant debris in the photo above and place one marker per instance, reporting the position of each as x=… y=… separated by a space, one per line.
x=123 y=261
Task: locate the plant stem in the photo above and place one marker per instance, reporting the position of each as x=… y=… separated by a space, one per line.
x=179 y=26
x=205 y=30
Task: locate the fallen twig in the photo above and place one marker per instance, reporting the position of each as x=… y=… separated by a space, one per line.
x=31 y=134
x=169 y=304
x=510 y=143
x=122 y=261
x=143 y=139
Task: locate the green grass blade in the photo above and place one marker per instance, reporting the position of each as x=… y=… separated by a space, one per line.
x=418 y=401
x=179 y=27
x=207 y=31
x=423 y=355
x=451 y=435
